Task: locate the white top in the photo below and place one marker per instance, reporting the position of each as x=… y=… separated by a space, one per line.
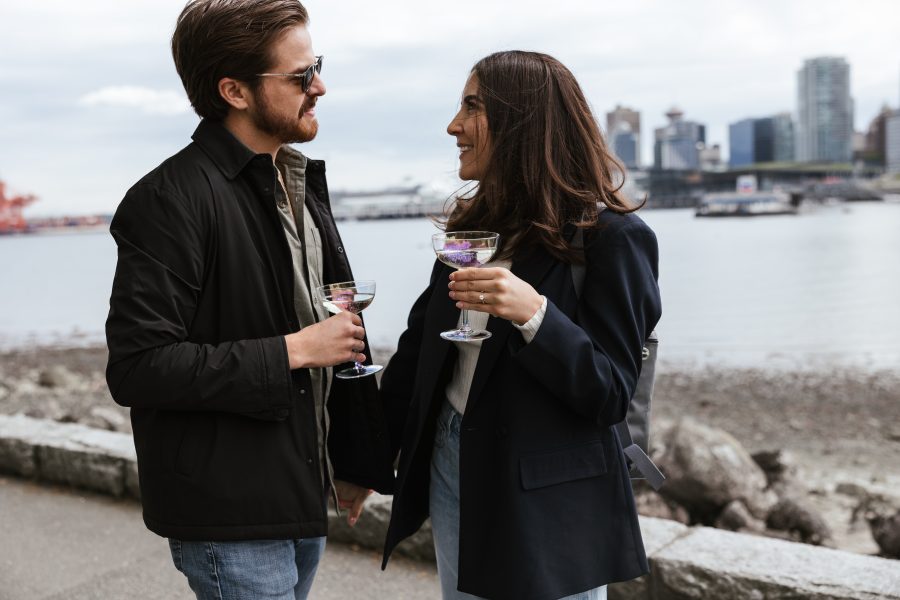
x=461 y=382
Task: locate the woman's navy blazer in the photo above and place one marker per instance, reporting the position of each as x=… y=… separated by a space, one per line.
x=546 y=506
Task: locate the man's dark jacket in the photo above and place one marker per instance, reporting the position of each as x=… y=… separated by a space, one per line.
x=225 y=432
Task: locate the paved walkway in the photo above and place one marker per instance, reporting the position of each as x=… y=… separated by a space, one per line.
x=60 y=544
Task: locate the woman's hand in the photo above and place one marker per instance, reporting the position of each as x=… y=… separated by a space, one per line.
x=351 y=497
x=495 y=291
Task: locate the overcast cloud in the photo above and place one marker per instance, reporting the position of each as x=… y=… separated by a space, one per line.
x=91 y=100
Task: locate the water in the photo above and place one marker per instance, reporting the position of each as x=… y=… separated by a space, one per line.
x=818 y=289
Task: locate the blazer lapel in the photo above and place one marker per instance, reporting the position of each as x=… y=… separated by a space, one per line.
x=532 y=266
x=440 y=315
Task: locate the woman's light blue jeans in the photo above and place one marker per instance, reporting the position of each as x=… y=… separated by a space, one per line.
x=270 y=569
x=444 y=506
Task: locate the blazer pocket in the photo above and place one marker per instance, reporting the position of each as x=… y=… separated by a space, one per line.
x=567 y=464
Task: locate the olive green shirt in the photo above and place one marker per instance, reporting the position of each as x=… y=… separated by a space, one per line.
x=305 y=244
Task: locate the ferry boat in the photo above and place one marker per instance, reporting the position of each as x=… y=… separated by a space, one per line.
x=747 y=201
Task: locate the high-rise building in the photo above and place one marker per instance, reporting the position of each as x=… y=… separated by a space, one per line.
x=623 y=113
x=677 y=145
x=754 y=141
x=824 y=111
x=783 y=124
x=626 y=145
x=740 y=143
x=623 y=131
x=876 y=140
x=892 y=143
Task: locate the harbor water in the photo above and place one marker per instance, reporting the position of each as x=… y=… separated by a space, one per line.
x=816 y=289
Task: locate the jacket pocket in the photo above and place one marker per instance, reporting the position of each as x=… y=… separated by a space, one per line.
x=559 y=466
x=194 y=444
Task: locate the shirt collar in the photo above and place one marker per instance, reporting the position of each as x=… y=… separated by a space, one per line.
x=291 y=157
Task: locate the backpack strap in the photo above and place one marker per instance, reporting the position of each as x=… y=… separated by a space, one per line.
x=637 y=458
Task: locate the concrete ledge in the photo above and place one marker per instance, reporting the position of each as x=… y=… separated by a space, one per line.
x=685 y=562
x=712 y=563
x=658 y=534
x=67 y=453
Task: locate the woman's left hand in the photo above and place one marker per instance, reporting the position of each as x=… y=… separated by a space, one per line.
x=495 y=291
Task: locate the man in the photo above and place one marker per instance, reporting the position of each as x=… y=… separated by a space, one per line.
x=215 y=339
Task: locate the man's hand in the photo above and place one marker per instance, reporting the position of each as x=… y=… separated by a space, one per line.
x=335 y=340
x=351 y=497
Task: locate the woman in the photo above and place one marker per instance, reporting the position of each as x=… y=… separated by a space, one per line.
x=507 y=443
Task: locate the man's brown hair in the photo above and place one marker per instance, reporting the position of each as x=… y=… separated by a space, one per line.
x=228 y=38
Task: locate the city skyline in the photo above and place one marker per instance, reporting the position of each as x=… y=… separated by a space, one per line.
x=93 y=83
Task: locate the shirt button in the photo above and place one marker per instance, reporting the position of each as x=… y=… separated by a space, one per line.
x=302 y=392
x=309 y=461
x=341 y=249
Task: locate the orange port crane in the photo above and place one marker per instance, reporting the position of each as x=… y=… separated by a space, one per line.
x=11 y=219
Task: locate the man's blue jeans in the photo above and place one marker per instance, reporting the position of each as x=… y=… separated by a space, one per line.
x=272 y=569
x=444 y=507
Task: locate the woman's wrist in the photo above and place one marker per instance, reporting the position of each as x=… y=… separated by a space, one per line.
x=534 y=306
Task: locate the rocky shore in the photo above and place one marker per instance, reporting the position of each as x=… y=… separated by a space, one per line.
x=822 y=447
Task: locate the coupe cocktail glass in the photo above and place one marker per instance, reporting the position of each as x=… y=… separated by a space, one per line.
x=461 y=250
x=349 y=296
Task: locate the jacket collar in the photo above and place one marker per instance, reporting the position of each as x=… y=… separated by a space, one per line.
x=229 y=154
x=232 y=156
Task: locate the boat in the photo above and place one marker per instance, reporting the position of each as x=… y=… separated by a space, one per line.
x=847 y=191
x=735 y=204
x=747 y=201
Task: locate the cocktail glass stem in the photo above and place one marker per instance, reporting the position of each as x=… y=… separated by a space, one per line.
x=466 y=329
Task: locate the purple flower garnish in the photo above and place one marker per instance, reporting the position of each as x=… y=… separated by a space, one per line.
x=457 y=244
x=463 y=259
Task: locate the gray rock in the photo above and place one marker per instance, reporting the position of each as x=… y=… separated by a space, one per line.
x=57 y=376
x=711 y=563
x=851 y=489
x=892 y=432
x=797 y=517
x=650 y=504
x=886 y=531
x=736 y=517
x=708 y=468
x=109 y=418
x=776 y=464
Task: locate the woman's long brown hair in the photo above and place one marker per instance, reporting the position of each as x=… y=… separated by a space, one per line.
x=548 y=166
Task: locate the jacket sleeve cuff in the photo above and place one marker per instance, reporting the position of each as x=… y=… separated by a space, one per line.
x=277 y=381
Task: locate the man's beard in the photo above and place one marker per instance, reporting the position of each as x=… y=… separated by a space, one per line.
x=287 y=130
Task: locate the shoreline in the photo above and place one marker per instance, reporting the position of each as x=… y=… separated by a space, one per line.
x=778 y=363
x=838 y=428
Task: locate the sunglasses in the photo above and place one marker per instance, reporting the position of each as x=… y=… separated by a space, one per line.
x=305 y=78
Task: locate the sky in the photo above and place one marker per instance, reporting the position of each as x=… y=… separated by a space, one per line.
x=90 y=99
